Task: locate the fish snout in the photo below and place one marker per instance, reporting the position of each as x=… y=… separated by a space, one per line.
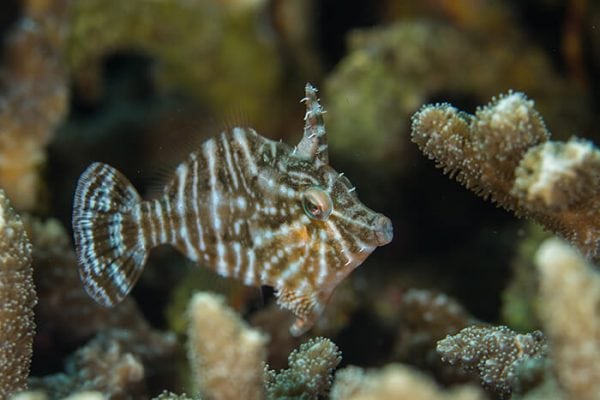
x=384 y=231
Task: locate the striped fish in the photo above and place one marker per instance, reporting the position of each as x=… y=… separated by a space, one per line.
x=243 y=205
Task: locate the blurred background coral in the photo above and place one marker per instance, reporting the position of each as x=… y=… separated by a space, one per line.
x=138 y=83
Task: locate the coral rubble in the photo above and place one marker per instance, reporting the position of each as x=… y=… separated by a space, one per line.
x=502 y=152
x=17 y=299
x=494 y=352
x=570 y=310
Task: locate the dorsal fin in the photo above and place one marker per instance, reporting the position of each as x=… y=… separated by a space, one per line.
x=314 y=141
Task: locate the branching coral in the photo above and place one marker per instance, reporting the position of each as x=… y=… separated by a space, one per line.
x=227 y=358
x=570 y=310
x=112 y=363
x=309 y=372
x=125 y=350
x=226 y=355
x=33 y=100
x=493 y=352
x=433 y=312
x=423 y=317
x=391 y=71
x=395 y=381
x=17 y=299
x=502 y=152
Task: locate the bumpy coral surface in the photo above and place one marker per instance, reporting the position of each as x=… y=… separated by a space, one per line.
x=17 y=299
x=391 y=71
x=493 y=352
x=227 y=355
x=309 y=372
x=33 y=102
x=116 y=363
x=502 y=153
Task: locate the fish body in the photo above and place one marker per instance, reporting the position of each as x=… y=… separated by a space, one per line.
x=243 y=205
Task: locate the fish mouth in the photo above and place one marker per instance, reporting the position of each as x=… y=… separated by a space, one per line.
x=384 y=230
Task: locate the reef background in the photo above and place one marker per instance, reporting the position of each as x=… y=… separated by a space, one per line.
x=136 y=83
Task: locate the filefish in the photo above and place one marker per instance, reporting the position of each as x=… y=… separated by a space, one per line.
x=243 y=205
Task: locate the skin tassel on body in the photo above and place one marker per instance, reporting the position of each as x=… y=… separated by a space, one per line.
x=243 y=205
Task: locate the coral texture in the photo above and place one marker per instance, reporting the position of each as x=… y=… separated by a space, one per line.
x=115 y=363
x=433 y=312
x=17 y=299
x=423 y=317
x=125 y=350
x=502 y=153
x=137 y=83
x=570 y=308
x=226 y=355
x=391 y=71
x=309 y=372
x=395 y=381
x=557 y=176
x=494 y=352
x=33 y=101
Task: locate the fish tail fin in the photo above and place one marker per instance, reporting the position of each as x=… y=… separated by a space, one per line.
x=109 y=239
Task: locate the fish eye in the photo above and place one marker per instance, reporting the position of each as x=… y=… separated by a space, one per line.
x=317 y=203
